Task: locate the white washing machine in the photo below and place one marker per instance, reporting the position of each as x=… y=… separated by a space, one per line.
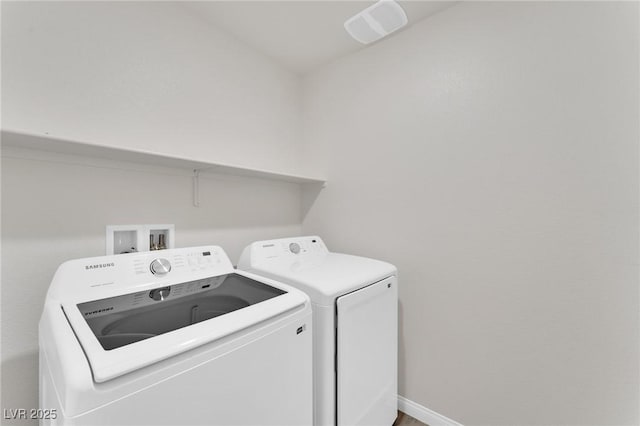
x=174 y=337
x=355 y=320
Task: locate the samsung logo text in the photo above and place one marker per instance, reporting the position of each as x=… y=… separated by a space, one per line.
x=100 y=265
x=99 y=311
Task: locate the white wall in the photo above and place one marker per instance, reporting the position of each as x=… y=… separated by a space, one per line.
x=491 y=152
x=149 y=77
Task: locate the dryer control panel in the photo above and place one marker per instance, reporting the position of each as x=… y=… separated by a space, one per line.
x=287 y=248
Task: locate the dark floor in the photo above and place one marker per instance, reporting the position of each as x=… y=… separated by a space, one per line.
x=404 y=420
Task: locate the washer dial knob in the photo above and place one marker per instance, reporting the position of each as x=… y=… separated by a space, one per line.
x=160 y=266
x=295 y=248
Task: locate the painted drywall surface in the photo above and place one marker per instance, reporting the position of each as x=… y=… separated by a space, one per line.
x=44 y=224
x=491 y=153
x=149 y=76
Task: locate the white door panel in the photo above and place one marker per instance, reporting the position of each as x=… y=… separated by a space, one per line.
x=367 y=355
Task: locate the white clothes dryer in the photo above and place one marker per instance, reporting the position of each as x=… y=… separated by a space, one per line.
x=176 y=337
x=355 y=320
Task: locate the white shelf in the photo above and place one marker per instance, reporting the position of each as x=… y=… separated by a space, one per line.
x=56 y=145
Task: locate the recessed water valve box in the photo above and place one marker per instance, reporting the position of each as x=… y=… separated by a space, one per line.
x=139 y=238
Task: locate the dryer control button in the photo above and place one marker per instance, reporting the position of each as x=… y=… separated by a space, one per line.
x=295 y=248
x=160 y=267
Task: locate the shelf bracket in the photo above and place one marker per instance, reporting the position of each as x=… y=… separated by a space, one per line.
x=196 y=187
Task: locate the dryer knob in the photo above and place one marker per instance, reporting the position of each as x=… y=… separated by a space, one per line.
x=160 y=267
x=295 y=248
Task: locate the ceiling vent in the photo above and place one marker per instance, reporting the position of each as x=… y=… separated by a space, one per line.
x=376 y=21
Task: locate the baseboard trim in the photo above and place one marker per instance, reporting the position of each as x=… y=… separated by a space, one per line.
x=423 y=414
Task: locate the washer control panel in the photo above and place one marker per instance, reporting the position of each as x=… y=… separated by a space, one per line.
x=162 y=264
x=106 y=276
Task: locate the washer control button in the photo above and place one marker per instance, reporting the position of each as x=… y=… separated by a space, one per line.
x=295 y=248
x=160 y=266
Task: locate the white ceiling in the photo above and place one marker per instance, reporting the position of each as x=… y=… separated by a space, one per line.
x=301 y=35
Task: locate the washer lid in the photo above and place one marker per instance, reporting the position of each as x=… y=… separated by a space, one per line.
x=126 y=317
x=324 y=277
x=126 y=333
